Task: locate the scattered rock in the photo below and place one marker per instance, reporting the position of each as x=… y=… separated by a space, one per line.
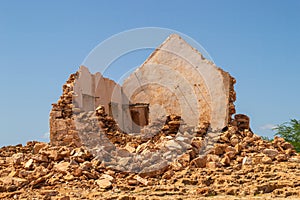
x=225 y=161
x=272 y=153
x=38 y=146
x=17 y=158
x=142 y=180
x=29 y=164
x=61 y=167
x=281 y=157
x=104 y=183
x=210 y=164
x=199 y=162
x=266 y=160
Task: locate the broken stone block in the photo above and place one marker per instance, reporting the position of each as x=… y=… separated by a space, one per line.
x=124 y=161
x=184 y=159
x=104 y=183
x=132 y=182
x=199 y=162
x=272 y=153
x=211 y=165
x=230 y=154
x=197 y=142
x=61 y=167
x=243 y=121
x=29 y=164
x=219 y=149
x=17 y=158
x=86 y=166
x=38 y=146
x=69 y=177
x=141 y=180
x=126 y=197
x=77 y=172
x=107 y=176
x=234 y=141
x=123 y=153
x=281 y=157
x=266 y=160
x=172 y=145
x=41 y=158
x=168 y=175
x=213 y=158
x=238 y=148
x=225 y=161
x=19 y=182
x=129 y=148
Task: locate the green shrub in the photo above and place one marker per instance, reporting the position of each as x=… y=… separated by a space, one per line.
x=290 y=131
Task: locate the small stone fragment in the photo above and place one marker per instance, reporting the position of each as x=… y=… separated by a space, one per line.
x=29 y=164
x=199 y=162
x=104 y=183
x=266 y=160
x=272 y=153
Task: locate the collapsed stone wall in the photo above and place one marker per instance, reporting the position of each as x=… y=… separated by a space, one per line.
x=174 y=80
x=172 y=143
x=62 y=125
x=82 y=92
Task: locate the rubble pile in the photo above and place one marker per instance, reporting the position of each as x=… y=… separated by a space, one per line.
x=89 y=157
x=234 y=162
x=152 y=150
x=235 y=146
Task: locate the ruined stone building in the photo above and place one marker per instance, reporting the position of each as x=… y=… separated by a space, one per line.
x=167 y=131
x=175 y=80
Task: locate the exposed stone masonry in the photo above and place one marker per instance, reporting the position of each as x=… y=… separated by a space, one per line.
x=92 y=156
x=62 y=126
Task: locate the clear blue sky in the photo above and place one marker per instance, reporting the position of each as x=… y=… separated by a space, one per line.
x=42 y=42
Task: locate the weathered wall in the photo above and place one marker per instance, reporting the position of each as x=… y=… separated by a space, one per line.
x=178 y=80
x=62 y=125
x=82 y=92
x=95 y=85
x=175 y=79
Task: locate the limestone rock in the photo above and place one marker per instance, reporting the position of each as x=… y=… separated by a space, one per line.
x=62 y=167
x=29 y=164
x=142 y=180
x=172 y=145
x=38 y=146
x=225 y=161
x=272 y=153
x=104 y=183
x=266 y=160
x=199 y=162
x=281 y=157
x=17 y=158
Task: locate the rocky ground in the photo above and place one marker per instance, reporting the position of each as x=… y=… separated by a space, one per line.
x=238 y=165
